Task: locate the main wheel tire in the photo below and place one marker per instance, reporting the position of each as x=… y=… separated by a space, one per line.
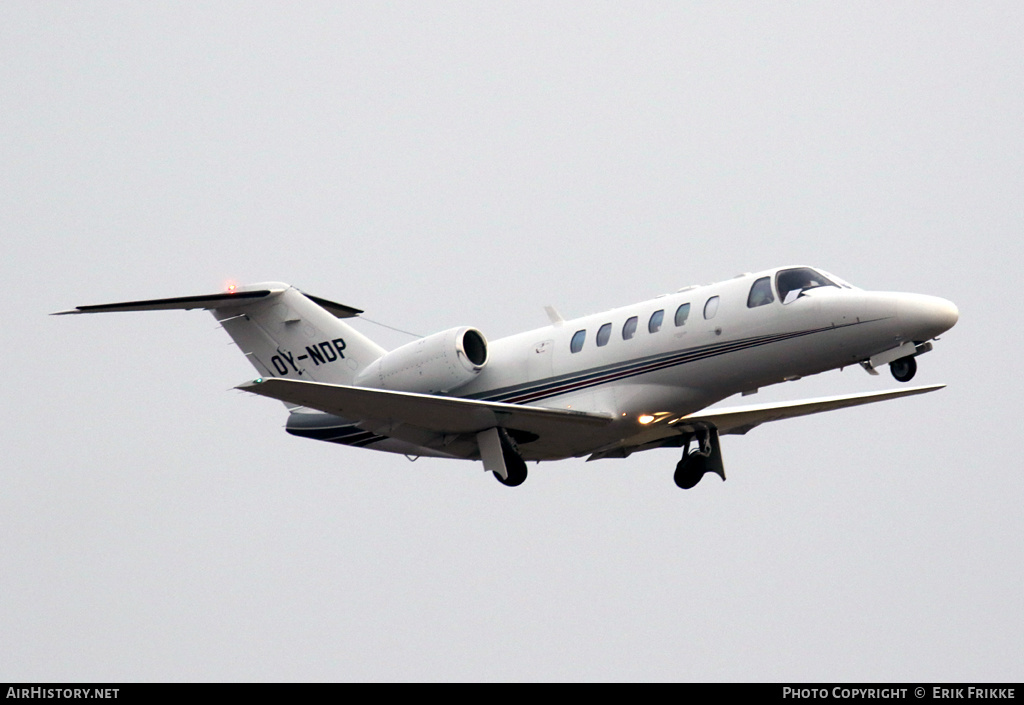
x=689 y=471
x=516 y=472
x=903 y=369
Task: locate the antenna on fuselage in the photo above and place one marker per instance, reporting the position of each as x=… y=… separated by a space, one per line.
x=554 y=316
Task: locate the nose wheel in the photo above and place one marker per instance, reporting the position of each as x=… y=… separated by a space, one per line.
x=903 y=369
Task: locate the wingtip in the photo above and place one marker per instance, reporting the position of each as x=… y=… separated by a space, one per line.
x=247 y=386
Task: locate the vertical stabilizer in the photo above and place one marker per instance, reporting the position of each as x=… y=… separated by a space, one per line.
x=294 y=336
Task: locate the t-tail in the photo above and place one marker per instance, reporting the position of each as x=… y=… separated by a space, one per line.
x=282 y=331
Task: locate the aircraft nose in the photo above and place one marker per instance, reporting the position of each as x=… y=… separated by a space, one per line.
x=926 y=317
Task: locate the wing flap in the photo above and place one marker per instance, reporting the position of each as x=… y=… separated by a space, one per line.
x=441 y=415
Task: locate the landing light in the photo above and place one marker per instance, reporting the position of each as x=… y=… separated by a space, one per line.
x=645 y=419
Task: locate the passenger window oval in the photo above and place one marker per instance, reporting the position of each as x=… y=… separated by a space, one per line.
x=682 y=313
x=577 y=341
x=711 y=308
x=604 y=334
x=629 y=328
x=654 y=325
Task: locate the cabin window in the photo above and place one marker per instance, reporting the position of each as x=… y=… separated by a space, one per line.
x=711 y=308
x=792 y=282
x=654 y=325
x=604 y=334
x=629 y=328
x=682 y=313
x=760 y=293
x=577 y=341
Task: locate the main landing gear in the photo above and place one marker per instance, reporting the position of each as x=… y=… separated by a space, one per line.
x=501 y=455
x=515 y=466
x=707 y=457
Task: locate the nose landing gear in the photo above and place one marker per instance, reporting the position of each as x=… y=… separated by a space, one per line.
x=707 y=457
x=903 y=369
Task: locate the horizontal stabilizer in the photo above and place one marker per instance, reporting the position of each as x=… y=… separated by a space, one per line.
x=209 y=301
x=181 y=302
x=739 y=420
x=339 y=310
x=443 y=415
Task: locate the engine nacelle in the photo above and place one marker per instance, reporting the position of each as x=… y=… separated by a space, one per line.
x=436 y=364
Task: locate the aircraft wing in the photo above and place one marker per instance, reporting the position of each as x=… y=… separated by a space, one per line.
x=418 y=417
x=427 y=412
x=739 y=420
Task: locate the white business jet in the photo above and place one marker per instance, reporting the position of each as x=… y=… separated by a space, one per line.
x=604 y=386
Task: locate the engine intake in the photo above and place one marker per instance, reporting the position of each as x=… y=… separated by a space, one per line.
x=436 y=364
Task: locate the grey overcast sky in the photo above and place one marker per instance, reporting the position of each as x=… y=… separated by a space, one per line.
x=467 y=163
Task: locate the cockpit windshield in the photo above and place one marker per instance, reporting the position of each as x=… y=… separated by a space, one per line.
x=841 y=282
x=792 y=282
